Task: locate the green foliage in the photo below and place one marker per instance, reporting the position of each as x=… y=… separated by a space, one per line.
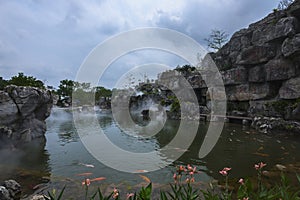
x=175 y=106
x=279 y=106
x=145 y=193
x=66 y=88
x=52 y=195
x=217 y=39
x=185 y=191
x=82 y=91
x=148 y=88
x=283 y=190
x=185 y=68
x=3 y=83
x=23 y=80
x=102 y=92
x=181 y=192
x=208 y=195
x=100 y=195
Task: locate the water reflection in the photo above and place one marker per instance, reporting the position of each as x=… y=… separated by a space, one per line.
x=63 y=156
x=28 y=164
x=238 y=147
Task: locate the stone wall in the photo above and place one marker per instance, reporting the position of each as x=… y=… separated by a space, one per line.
x=260 y=67
x=23 y=111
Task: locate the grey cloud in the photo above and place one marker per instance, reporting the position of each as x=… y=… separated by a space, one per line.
x=197 y=19
x=50 y=39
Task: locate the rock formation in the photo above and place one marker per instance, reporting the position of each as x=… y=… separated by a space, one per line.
x=10 y=190
x=23 y=111
x=260 y=67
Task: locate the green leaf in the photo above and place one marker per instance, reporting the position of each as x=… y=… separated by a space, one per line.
x=163 y=196
x=61 y=193
x=145 y=193
x=298 y=177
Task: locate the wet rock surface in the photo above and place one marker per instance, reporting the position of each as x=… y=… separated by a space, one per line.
x=23 y=111
x=10 y=190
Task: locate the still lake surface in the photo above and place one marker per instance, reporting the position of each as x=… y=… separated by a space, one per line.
x=63 y=156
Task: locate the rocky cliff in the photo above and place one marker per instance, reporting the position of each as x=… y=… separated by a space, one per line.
x=260 y=67
x=23 y=111
x=261 y=70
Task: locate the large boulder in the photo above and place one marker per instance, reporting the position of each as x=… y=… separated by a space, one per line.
x=10 y=190
x=31 y=100
x=235 y=76
x=247 y=92
x=290 y=89
x=291 y=46
x=294 y=9
x=263 y=30
x=238 y=93
x=257 y=74
x=279 y=69
x=23 y=111
x=13 y=187
x=285 y=27
x=296 y=113
x=8 y=109
x=4 y=194
x=253 y=55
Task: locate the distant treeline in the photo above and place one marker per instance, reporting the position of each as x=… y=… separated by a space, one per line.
x=65 y=89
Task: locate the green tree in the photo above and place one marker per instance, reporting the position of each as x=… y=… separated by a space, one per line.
x=217 y=39
x=22 y=80
x=3 y=83
x=65 y=88
x=102 y=92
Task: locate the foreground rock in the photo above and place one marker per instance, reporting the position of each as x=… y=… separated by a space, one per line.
x=10 y=190
x=23 y=111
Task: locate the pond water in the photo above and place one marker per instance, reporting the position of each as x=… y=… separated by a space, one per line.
x=63 y=156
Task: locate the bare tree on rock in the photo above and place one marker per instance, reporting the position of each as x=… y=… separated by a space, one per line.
x=217 y=39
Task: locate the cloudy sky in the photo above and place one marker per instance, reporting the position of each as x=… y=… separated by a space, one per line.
x=50 y=39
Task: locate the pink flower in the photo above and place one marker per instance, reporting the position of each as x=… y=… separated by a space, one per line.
x=241 y=181
x=224 y=171
x=194 y=170
x=246 y=198
x=130 y=195
x=227 y=169
x=115 y=193
x=259 y=166
x=86 y=182
x=191 y=169
x=181 y=168
x=175 y=177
